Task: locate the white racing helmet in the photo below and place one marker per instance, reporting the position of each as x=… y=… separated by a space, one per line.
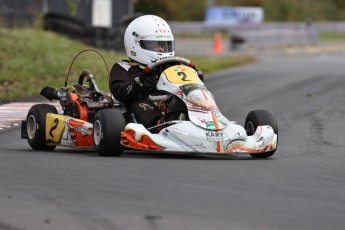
x=149 y=38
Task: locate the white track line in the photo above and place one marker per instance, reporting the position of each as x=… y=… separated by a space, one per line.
x=13 y=113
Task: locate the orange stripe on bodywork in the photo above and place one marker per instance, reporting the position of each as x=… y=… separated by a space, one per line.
x=219 y=146
x=204 y=94
x=215 y=120
x=219 y=143
x=78 y=137
x=83 y=115
x=248 y=149
x=143 y=143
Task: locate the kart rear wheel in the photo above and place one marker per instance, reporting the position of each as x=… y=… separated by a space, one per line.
x=258 y=118
x=36 y=126
x=107 y=128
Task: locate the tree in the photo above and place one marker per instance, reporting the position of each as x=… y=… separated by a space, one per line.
x=340 y=4
x=237 y=2
x=274 y=10
x=179 y=10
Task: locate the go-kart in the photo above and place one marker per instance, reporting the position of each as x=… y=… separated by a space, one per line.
x=93 y=119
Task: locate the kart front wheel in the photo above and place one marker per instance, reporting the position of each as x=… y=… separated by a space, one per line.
x=36 y=126
x=107 y=128
x=258 y=118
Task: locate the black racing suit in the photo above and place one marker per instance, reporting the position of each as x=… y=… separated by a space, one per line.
x=127 y=90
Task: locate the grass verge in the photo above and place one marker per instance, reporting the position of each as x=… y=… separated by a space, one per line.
x=31 y=59
x=332 y=35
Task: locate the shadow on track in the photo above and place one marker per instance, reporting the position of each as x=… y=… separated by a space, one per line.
x=128 y=154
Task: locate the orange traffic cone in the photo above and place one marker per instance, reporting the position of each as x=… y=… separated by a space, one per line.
x=217 y=43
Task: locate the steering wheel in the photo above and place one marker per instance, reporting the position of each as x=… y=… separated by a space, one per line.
x=170 y=61
x=165 y=63
x=85 y=73
x=92 y=88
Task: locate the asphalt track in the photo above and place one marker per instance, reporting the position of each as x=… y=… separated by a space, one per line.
x=301 y=187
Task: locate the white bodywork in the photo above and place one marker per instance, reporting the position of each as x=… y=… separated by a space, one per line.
x=207 y=130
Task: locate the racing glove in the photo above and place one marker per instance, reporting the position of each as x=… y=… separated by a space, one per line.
x=175 y=105
x=145 y=83
x=139 y=80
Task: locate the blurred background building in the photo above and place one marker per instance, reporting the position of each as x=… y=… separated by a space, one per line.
x=94 y=21
x=14 y=13
x=102 y=22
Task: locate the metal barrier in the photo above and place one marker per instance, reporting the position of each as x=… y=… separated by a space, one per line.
x=273 y=38
x=263 y=35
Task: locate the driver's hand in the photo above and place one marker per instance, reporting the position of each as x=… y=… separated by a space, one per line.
x=141 y=79
x=174 y=104
x=145 y=80
x=144 y=75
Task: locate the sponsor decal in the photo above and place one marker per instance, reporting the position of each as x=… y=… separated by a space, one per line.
x=162 y=58
x=210 y=125
x=214 y=136
x=164 y=36
x=133 y=53
x=80 y=135
x=206 y=118
x=83 y=130
x=179 y=69
x=166 y=132
x=146 y=106
x=186 y=89
x=98 y=104
x=55 y=127
x=181 y=74
x=196 y=146
x=129 y=89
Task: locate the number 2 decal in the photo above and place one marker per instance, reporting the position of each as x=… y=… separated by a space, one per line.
x=56 y=122
x=184 y=76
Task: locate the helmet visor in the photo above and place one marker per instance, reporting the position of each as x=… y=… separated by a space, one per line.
x=158 y=46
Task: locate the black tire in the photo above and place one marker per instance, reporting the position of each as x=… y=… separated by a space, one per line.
x=257 y=118
x=107 y=128
x=36 y=126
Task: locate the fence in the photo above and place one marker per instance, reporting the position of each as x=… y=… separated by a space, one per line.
x=273 y=37
x=264 y=35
